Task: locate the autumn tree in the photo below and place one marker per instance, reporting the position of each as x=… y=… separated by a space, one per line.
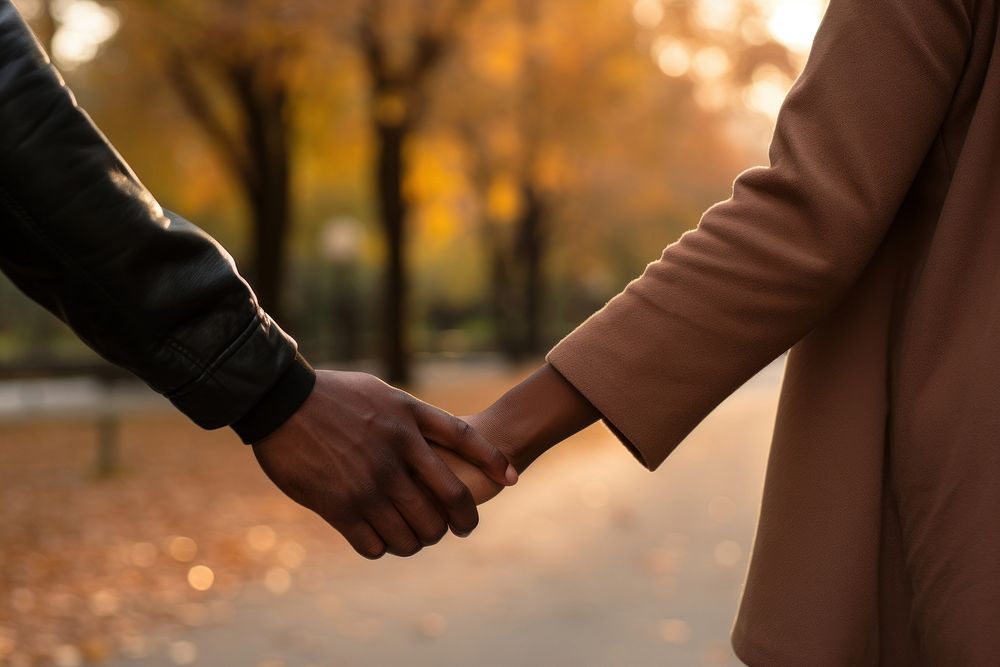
x=594 y=99
x=234 y=65
x=403 y=44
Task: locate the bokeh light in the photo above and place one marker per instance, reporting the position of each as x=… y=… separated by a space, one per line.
x=261 y=538
x=793 y=23
x=84 y=25
x=675 y=631
x=671 y=55
x=201 y=577
x=710 y=62
x=719 y=15
x=648 y=13
x=182 y=548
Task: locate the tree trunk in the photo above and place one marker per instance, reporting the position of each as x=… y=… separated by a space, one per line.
x=392 y=210
x=532 y=244
x=506 y=296
x=270 y=216
x=268 y=190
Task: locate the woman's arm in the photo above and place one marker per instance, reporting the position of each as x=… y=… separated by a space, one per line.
x=763 y=267
x=767 y=265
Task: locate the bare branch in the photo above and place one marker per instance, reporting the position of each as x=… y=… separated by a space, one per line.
x=191 y=94
x=371 y=46
x=433 y=44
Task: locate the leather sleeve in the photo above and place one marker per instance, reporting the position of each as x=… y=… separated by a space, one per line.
x=146 y=289
x=764 y=266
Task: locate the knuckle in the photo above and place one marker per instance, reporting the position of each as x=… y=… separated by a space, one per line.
x=366 y=497
x=384 y=471
x=410 y=403
x=395 y=431
x=457 y=494
x=463 y=429
x=436 y=534
x=371 y=551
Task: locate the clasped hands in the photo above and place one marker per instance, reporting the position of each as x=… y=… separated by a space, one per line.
x=392 y=474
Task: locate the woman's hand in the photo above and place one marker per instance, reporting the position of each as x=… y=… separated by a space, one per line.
x=523 y=424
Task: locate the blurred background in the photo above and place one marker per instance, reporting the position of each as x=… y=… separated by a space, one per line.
x=435 y=191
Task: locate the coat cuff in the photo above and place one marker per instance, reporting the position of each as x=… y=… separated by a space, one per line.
x=279 y=403
x=574 y=370
x=599 y=358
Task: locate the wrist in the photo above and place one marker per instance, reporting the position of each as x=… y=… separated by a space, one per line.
x=517 y=436
x=278 y=403
x=534 y=416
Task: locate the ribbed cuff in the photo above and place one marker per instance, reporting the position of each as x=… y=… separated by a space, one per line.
x=278 y=404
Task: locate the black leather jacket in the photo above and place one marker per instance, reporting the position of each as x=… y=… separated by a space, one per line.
x=143 y=287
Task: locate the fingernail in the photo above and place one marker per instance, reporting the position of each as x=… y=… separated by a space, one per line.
x=511 y=475
x=461 y=534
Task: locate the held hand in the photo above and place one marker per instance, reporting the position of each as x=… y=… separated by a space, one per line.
x=526 y=421
x=482 y=487
x=357 y=453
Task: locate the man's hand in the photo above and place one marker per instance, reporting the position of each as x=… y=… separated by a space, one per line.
x=357 y=453
x=480 y=486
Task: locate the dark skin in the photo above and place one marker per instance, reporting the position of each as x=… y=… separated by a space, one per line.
x=358 y=454
x=524 y=423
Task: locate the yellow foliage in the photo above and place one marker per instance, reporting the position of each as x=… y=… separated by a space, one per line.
x=435 y=169
x=499 y=58
x=503 y=198
x=439 y=223
x=553 y=171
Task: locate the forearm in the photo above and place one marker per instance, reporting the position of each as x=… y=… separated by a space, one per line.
x=535 y=415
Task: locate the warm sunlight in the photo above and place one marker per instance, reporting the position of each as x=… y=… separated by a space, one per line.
x=768 y=90
x=648 y=13
x=719 y=15
x=671 y=55
x=793 y=23
x=84 y=26
x=710 y=57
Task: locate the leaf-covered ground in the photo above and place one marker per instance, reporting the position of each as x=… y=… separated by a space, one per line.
x=189 y=556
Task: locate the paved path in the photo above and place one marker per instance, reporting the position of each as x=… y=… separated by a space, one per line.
x=590 y=561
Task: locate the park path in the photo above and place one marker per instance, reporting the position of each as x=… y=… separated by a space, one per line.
x=590 y=561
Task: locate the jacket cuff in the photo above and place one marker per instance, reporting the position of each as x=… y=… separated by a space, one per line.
x=279 y=403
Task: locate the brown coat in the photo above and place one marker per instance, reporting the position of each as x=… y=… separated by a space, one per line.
x=871 y=247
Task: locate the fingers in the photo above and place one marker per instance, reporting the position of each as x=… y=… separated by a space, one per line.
x=420 y=512
x=363 y=538
x=399 y=538
x=448 y=490
x=451 y=432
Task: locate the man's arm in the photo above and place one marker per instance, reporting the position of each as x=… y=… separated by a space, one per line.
x=151 y=292
x=146 y=289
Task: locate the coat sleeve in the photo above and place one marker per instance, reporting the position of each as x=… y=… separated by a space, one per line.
x=146 y=289
x=763 y=266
